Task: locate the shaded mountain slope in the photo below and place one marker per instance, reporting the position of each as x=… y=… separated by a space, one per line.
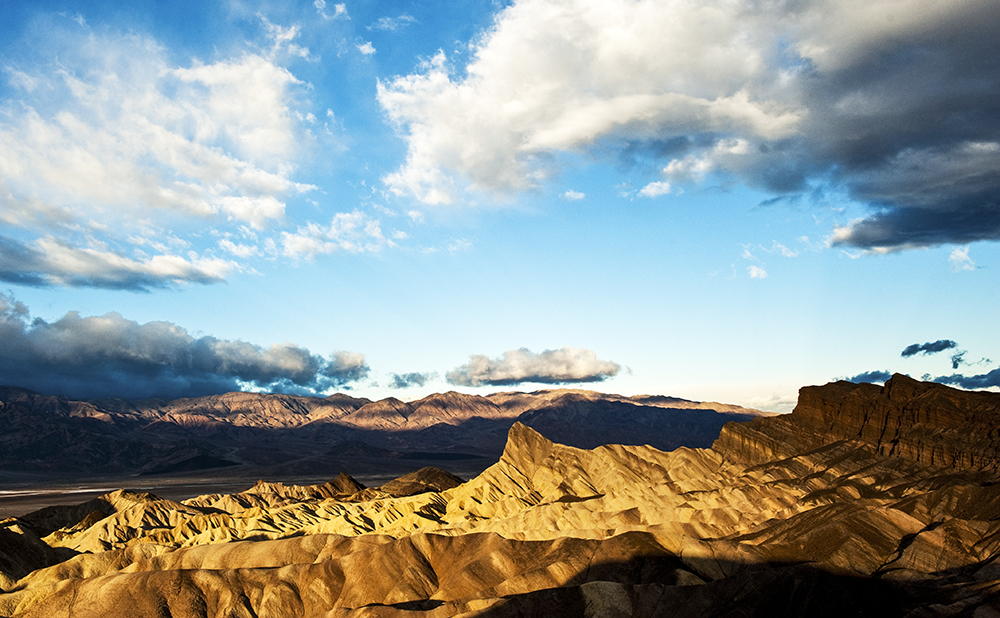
x=307 y=436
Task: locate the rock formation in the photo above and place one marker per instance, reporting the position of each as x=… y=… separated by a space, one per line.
x=865 y=501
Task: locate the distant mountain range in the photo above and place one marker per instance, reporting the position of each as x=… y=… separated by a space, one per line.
x=873 y=501
x=282 y=436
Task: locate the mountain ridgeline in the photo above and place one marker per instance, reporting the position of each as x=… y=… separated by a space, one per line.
x=285 y=435
x=865 y=501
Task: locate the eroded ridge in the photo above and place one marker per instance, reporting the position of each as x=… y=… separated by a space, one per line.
x=865 y=501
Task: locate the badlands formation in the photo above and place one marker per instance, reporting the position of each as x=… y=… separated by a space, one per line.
x=865 y=501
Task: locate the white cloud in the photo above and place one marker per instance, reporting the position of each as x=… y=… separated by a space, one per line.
x=459 y=244
x=366 y=48
x=339 y=10
x=695 y=167
x=391 y=24
x=960 y=259
x=783 y=250
x=655 y=189
x=790 y=97
x=651 y=69
x=353 y=232
x=573 y=195
x=20 y=79
x=563 y=366
x=116 y=139
x=52 y=262
x=284 y=37
x=756 y=272
x=782 y=404
x=238 y=249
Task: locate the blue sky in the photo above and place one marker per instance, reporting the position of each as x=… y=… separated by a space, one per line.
x=713 y=200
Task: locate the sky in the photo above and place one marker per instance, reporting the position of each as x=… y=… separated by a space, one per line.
x=721 y=200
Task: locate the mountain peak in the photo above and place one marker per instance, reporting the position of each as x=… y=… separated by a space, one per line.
x=525 y=446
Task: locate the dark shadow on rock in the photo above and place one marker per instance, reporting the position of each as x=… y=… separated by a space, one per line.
x=70 y=447
x=750 y=592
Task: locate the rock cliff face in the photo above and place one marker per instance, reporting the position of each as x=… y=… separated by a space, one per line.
x=922 y=422
x=863 y=502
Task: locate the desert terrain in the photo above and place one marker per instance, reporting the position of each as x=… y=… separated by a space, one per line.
x=865 y=501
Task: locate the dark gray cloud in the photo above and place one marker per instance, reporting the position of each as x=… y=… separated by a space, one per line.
x=110 y=356
x=57 y=263
x=406 y=380
x=912 y=128
x=565 y=366
x=870 y=376
x=929 y=348
x=983 y=380
x=343 y=368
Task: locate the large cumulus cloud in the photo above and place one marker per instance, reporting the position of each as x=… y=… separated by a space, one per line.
x=564 y=366
x=108 y=355
x=893 y=103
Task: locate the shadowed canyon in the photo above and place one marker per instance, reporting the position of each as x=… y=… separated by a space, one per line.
x=865 y=501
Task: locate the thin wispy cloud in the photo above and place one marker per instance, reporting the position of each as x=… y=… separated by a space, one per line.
x=283 y=39
x=354 y=232
x=777 y=247
x=337 y=11
x=392 y=24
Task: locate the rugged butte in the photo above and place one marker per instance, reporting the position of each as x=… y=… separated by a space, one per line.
x=867 y=500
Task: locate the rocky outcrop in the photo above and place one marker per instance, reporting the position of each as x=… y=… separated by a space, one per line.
x=921 y=422
x=427 y=479
x=21 y=552
x=390 y=413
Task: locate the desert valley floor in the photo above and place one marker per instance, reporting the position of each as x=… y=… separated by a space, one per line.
x=865 y=501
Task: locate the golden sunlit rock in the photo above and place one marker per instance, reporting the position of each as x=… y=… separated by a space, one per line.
x=865 y=501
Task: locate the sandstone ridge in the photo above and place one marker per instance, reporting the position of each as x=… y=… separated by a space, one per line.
x=863 y=501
